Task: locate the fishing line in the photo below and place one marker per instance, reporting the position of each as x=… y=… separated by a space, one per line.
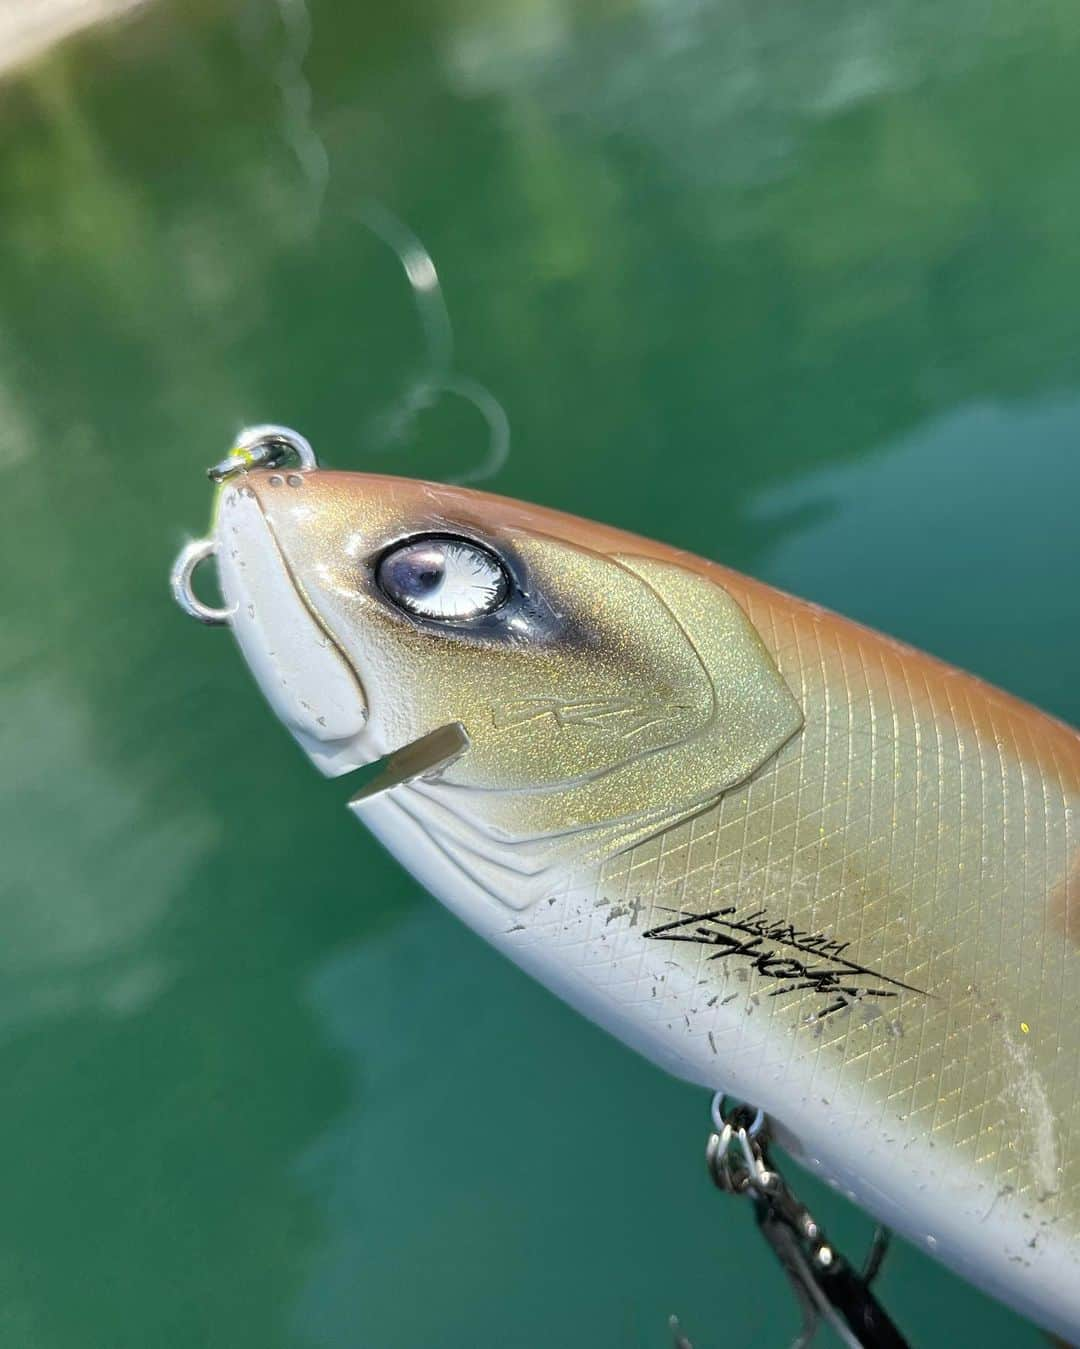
x=438 y=378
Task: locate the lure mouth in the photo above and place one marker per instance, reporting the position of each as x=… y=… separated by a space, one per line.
x=296 y=662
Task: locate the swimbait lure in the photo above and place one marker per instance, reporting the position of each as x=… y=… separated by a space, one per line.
x=766 y=847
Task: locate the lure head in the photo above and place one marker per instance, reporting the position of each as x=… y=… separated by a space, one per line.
x=603 y=686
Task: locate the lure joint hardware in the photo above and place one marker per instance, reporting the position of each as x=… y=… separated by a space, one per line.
x=827 y=1288
x=182 y=584
x=265 y=446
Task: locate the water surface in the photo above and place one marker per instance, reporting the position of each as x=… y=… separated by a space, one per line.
x=792 y=286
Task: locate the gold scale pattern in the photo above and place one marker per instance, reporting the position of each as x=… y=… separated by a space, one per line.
x=929 y=821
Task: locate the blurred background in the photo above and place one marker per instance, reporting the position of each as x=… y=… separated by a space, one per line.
x=794 y=286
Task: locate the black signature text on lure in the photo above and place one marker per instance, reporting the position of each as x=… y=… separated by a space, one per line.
x=765 y=943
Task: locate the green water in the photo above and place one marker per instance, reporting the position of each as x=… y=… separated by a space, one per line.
x=795 y=286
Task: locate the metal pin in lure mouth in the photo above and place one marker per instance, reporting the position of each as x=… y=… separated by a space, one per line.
x=421 y=758
x=264 y=446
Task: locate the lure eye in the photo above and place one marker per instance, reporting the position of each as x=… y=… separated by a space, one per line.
x=443 y=577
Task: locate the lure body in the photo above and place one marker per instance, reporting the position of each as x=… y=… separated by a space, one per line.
x=770 y=849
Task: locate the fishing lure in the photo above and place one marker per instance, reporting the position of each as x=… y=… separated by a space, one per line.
x=768 y=848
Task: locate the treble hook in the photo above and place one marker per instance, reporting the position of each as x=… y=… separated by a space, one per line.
x=826 y=1286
